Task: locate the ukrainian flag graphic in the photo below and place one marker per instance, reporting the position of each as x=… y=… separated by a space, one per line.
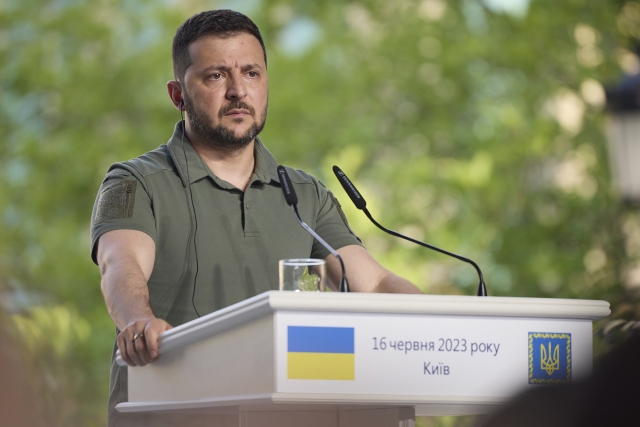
x=320 y=353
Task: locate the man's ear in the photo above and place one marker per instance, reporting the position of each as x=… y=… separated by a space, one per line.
x=175 y=93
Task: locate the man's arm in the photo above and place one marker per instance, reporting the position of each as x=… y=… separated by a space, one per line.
x=365 y=274
x=126 y=259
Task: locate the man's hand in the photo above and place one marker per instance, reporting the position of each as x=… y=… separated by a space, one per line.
x=138 y=341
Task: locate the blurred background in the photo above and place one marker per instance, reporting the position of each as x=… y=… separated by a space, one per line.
x=477 y=126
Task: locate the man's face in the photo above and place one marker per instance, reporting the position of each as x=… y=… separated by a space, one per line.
x=225 y=91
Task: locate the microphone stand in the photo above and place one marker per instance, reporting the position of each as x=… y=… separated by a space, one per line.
x=482 y=290
x=361 y=204
x=292 y=200
x=344 y=286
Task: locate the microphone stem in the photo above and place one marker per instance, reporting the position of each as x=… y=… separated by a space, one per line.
x=344 y=286
x=482 y=290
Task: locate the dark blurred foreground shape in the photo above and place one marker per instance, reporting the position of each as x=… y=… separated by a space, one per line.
x=18 y=407
x=609 y=397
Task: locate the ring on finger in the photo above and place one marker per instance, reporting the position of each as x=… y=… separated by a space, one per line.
x=136 y=336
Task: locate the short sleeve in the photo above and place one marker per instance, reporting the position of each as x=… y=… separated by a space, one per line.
x=123 y=203
x=332 y=225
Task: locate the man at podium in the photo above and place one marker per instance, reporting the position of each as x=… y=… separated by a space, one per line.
x=200 y=223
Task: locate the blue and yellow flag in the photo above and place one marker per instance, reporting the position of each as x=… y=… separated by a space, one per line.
x=320 y=353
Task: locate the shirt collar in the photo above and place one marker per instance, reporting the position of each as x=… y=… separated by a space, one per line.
x=266 y=169
x=192 y=168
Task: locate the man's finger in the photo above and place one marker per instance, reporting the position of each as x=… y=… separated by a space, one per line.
x=151 y=338
x=139 y=342
x=122 y=346
x=132 y=352
x=125 y=350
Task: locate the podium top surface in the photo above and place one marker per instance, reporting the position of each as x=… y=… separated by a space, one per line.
x=333 y=302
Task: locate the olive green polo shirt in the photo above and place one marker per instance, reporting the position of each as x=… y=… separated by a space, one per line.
x=210 y=234
x=215 y=244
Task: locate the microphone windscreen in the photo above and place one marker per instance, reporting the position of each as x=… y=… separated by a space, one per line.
x=351 y=190
x=287 y=188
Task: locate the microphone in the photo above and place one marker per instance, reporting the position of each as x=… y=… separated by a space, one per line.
x=292 y=200
x=361 y=204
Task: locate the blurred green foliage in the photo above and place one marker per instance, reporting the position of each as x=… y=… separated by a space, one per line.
x=476 y=126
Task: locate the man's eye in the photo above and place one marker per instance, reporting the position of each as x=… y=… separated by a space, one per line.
x=215 y=76
x=252 y=74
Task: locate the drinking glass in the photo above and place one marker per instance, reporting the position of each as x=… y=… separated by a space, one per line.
x=302 y=274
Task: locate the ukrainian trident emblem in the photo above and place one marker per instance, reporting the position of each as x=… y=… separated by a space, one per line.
x=549 y=358
x=549 y=363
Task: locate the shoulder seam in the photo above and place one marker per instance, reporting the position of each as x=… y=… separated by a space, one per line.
x=143 y=176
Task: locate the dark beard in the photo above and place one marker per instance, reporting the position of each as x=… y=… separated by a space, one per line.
x=220 y=137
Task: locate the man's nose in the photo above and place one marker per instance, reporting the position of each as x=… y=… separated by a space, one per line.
x=235 y=88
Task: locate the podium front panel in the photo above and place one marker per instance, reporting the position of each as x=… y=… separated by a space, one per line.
x=417 y=355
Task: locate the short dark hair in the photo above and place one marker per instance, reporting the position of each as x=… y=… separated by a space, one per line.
x=222 y=23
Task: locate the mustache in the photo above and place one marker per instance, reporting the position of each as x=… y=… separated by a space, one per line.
x=237 y=105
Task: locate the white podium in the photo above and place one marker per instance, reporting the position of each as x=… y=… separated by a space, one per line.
x=330 y=359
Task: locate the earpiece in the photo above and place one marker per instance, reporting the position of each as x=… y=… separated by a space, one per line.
x=181 y=104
